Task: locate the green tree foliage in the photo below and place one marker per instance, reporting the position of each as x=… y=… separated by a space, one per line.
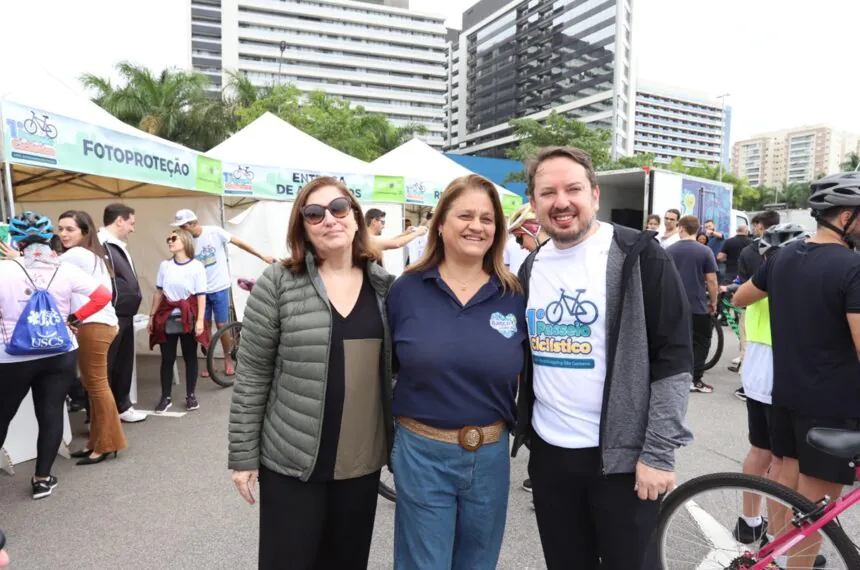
x=557 y=130
x=851 y=163
x=173 y=104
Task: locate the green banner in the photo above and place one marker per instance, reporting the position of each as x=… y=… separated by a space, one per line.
x=511 y=203
x=272 y=183
x=35 y=137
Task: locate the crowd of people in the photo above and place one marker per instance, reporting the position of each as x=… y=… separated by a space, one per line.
x=598 y=335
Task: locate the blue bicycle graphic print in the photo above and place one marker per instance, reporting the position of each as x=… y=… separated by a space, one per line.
x=585 y=312
x=35 y=125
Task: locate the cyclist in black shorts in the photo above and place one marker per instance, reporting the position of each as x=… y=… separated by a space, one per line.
x=813 y=287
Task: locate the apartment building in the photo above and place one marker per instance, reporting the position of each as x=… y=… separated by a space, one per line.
x=527 y=58
x=674 y=123
x=792 y=155
x=374 y=53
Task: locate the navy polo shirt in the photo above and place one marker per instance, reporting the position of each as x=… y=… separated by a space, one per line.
x=458 y=365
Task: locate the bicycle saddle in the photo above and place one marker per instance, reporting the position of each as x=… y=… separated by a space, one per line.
x=836 y=442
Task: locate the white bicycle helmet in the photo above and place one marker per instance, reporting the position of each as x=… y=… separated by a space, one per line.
x=781 y=235
x=520 y=216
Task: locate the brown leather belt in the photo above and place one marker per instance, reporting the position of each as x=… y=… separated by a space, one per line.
x=470 y=438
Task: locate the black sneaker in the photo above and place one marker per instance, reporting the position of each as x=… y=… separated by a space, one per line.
x=746 y=534
x=191 y=402
x=740 y=394
x=527 y=485
x=163 y=405
x=43 y=487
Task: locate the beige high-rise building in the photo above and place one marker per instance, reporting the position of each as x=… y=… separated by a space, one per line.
x=792 y=155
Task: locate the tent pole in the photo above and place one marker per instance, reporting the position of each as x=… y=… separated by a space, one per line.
x=3 y=216
x=9 y=193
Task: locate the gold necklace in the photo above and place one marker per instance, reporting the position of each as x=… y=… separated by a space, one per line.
x=464 y=285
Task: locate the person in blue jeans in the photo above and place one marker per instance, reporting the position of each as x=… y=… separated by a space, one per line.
x=458 y=330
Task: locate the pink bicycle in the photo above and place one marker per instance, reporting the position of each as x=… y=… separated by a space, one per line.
x=698 y=520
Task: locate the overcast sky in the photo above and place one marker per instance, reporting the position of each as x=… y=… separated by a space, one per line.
x=783 y=67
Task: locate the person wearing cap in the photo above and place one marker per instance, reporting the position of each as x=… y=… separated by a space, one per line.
x=210 y=248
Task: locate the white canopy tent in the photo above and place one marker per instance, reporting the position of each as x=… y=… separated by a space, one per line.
x=416 y=159
x=53 y=188
x=273 y=142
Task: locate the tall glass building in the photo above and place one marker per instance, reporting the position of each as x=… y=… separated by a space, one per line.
x=375 y=53
x=528 y=58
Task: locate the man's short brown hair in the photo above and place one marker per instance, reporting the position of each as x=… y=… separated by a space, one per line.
x=577 y=155
x=690 y=225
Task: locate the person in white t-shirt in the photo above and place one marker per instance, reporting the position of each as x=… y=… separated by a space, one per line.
x=604 y=401
x=210 y=247
x=78 y=234
x=417 y=246
x=177 y=316
x=672 y=234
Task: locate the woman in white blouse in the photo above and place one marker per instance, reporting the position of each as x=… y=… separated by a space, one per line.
x=79 y=236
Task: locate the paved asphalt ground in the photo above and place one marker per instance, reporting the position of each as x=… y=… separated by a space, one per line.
x=168 y=502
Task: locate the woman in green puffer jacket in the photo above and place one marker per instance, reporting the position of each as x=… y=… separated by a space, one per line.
x=311 y=410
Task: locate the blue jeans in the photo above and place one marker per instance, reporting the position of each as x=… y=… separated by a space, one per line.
x=451 y=503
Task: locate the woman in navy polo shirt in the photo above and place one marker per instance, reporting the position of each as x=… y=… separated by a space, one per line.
x=457 y=323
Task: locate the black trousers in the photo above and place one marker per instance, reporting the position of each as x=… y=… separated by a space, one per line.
x=586 y=520
x=702 y=333
x=319 y=525
x=49 y=379
x=121 y=363
x=168 y=359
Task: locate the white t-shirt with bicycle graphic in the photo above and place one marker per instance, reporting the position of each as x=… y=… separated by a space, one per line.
x=567 y=330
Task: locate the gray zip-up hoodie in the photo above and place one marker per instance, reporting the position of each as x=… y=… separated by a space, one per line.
x=649 y=358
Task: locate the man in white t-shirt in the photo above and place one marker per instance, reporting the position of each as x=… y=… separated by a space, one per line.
x=417 y=246
x=603 y=399
x=210 y=248
x=672 y=234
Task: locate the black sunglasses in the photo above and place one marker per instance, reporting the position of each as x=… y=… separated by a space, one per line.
x=172 y=239
x=315 y=213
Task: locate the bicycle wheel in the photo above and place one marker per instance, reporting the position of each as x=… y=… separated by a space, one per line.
x=698 y=520
x=233 y=329
x=51 y=131
x=554 y=312
x=30 y=126
x=586 y=312
x=717 y=341
x=387 y=490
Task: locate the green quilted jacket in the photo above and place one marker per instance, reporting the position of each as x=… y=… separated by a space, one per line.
x=276 y=412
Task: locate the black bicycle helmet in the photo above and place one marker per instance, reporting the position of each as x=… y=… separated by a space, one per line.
x=781 y=235
x=30 y=227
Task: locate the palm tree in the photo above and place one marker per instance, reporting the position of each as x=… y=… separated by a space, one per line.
x=852 y=162
x=173 y=105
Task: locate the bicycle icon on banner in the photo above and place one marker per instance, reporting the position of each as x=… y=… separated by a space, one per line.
x=243 y=172
x=35 y=125
x=585 y=312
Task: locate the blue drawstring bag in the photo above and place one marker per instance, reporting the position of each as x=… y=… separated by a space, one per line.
x=40 y=329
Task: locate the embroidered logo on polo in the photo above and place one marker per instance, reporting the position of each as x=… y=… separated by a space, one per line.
x=560 y=335
x=506 y=325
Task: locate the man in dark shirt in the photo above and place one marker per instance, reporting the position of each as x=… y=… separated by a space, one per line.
x=814 y=291
x=750 y=259
x=731 y=251
x=698 y=270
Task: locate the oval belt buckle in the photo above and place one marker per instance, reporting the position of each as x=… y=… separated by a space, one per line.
x=471 y=438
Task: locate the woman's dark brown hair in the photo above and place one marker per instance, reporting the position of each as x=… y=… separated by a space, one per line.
x=90 y=236
x=494 y=259
x=299 y=242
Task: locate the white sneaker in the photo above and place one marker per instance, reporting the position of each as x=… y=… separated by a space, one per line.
x=132 y=416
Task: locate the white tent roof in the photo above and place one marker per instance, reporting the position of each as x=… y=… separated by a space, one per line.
x=271 y=141
x=417 y=159
x=37 y=87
